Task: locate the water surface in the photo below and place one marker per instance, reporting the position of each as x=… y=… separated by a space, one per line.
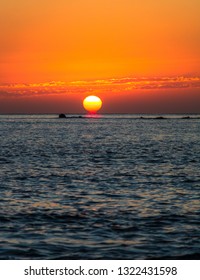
x=113 y=187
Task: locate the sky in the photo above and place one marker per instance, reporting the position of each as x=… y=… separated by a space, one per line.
x=137 y=56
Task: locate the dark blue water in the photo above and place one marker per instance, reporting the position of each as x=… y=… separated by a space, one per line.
x=115 y=187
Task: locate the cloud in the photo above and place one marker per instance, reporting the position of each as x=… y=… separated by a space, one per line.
x=114 y=85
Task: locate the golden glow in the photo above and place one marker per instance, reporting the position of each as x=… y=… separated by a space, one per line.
x=132 y=54
x=92 y=104
x=87 y=39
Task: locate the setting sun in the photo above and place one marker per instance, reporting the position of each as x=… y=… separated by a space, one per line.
x=92 y=104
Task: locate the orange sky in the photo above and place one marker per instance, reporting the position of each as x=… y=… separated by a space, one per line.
x=90 y=44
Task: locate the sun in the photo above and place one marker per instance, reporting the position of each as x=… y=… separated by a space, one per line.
x=92 y=104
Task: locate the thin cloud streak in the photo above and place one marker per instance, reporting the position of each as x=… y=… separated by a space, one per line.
x=114 y=85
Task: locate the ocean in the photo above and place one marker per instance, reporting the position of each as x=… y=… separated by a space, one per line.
x=109 y=187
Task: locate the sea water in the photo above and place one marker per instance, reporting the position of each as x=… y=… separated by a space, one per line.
x=109 y=187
